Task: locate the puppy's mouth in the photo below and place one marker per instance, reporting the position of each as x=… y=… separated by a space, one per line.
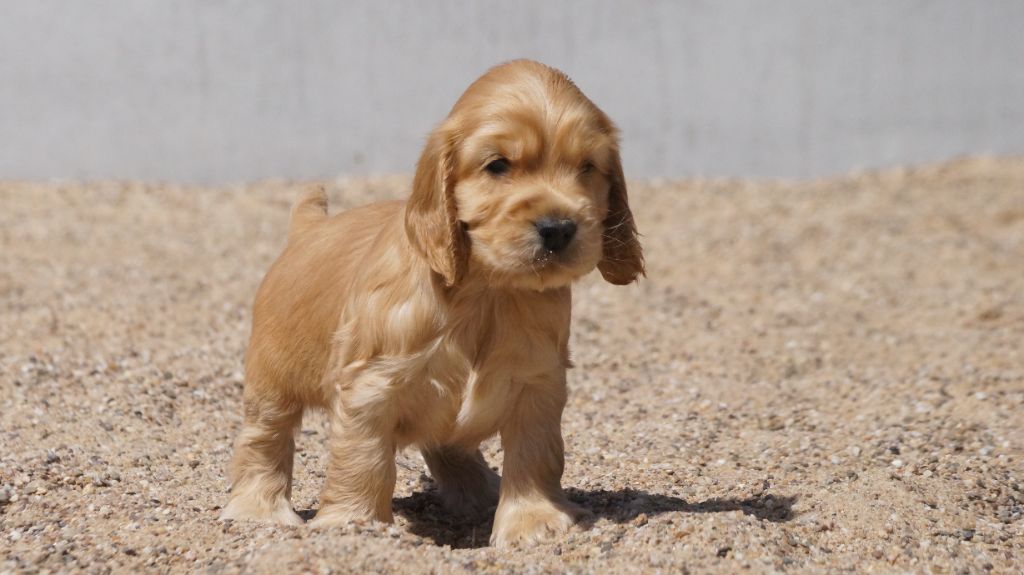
x=544 y=258
x=568 y=261
x=528 y=262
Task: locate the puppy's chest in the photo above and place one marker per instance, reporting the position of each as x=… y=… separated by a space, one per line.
x=472 y=374
x=465 y=399
x=473 y=385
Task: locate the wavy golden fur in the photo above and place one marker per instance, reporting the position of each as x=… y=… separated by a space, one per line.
x=443 y=320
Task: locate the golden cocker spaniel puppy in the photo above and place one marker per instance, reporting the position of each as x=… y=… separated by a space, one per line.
x=442 y=320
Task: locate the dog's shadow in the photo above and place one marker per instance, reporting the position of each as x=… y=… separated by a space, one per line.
x=427 y=518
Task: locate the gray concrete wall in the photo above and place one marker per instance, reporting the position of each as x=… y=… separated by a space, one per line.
x=228 y=90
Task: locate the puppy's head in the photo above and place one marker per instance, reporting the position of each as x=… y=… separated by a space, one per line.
x=522 y=184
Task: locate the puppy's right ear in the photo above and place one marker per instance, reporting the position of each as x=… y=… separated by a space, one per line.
x=431 y=216
x=623 y=258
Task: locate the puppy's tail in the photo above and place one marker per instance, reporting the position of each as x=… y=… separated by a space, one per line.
x=310 y=209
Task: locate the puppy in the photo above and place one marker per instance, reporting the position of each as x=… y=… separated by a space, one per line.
x=443 y=320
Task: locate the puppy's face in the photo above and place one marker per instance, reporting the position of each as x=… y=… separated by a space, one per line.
x=531 y=182
x=530 y=179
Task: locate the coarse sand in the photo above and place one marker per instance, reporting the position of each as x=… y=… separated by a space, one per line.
x=814 y=376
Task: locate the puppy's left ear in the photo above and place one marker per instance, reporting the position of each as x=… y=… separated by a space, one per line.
x=622 y=261
x=431 y=216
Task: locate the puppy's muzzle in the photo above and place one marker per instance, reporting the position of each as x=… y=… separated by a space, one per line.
x=555 y=233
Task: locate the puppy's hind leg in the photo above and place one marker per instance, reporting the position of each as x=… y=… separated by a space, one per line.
x=261 y=468
x=468 y=486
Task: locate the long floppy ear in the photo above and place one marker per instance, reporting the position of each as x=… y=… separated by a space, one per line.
x=623 y=259
x=431 y=217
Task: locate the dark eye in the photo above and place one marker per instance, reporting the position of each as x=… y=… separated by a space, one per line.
x=587 y=167
x=498 y=167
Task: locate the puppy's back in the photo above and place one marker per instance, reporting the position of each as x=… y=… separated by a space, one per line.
x=300 y=300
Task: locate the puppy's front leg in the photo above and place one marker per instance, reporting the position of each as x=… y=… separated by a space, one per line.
x=361 y=461
x=533 y=506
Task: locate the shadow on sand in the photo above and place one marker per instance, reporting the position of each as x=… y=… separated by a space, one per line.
x=427 y=518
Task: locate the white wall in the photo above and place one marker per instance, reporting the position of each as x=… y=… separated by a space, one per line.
x=219 y=90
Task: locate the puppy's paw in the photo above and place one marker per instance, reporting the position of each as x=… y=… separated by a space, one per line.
x=337 y=515
x=473 y=499
x=527 y=522
x=279 y=512
x=466 y=485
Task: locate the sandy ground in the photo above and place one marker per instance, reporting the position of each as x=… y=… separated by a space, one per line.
x=824 y=376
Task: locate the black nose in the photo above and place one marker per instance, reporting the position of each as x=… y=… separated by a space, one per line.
x=555 y=233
